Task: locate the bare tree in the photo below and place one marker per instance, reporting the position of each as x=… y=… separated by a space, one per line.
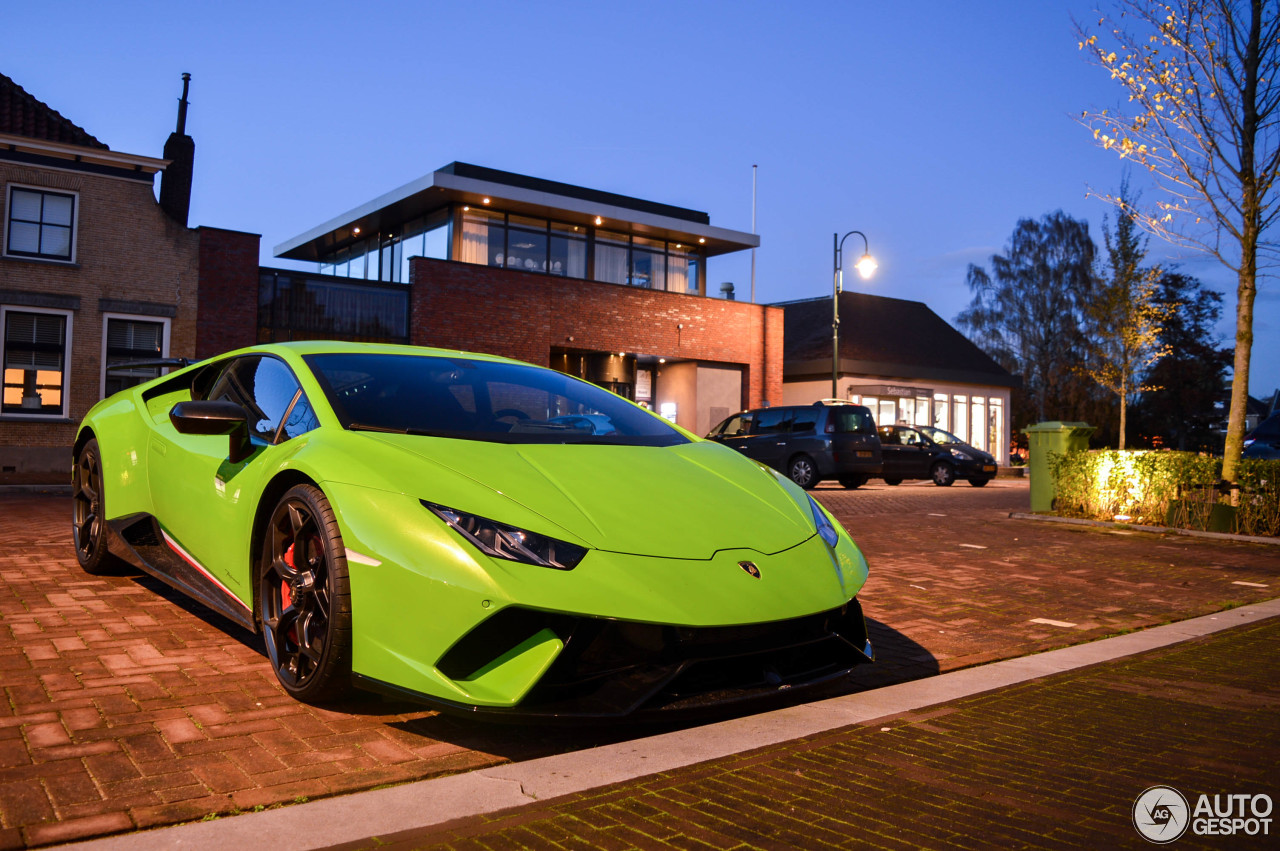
x=1203 y=117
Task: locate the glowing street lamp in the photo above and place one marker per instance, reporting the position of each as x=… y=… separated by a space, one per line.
x=866 y=265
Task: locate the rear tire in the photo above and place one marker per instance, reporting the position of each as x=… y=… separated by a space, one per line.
x=893 y=481
x=304 y=598
x=88 y=518
x=944 y=475
x=803 y=471
x=852 y=482
x=978 y=483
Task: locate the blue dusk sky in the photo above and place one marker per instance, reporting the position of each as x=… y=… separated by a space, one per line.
x=933 y=127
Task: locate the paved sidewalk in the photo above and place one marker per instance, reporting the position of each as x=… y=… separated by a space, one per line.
x=1056 y=762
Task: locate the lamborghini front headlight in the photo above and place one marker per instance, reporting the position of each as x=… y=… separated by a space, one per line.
x=508 y=542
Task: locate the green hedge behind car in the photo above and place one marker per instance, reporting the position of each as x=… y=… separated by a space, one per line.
x=1179 y=489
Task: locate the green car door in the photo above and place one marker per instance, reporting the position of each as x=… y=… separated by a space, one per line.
x=207 y=499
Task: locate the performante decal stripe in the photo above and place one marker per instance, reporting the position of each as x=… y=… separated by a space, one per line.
x=187 y=557
x=352 y=555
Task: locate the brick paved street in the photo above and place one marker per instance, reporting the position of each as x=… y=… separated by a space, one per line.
x=127 y=706
x=1056 y=762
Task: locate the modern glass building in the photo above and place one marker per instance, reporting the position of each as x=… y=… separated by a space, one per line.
x=496 y=218
x=603 y=286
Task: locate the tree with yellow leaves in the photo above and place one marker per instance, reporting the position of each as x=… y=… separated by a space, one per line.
x=1125 y=317
x=1202 y=79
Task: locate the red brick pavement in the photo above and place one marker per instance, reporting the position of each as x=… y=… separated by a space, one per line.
x=127 y=706
x=1052 y=763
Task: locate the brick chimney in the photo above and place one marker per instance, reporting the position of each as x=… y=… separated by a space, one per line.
x=180 y=150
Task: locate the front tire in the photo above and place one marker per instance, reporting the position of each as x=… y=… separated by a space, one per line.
x=803 y=471
x=304 y=598
x=944 y=475
x=88 y=518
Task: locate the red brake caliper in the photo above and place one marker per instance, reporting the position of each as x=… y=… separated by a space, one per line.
x=286 y=596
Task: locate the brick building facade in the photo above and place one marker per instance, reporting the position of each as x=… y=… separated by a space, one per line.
x=541 y=319
x=92 y=270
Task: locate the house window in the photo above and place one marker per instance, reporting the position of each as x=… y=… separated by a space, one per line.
x=41 y=224
x=35 y=362
x=131 y=338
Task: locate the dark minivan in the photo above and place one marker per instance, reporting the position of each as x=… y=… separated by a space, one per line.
x=825 y=440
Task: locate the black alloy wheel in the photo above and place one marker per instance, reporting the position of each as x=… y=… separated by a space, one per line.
x=944 y=474
x=803 y=471
x=304 y=598
x=88 y=526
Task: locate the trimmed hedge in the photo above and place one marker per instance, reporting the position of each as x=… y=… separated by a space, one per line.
x=1161 y=488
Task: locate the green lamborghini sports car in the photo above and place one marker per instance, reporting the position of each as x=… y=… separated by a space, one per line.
x=475 y=532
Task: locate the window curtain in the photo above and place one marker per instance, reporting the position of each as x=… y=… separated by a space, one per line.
x=678 y=273
x=611 y=263
x=475 y=241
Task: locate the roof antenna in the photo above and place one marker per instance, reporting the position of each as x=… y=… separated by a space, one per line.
x=182 y=105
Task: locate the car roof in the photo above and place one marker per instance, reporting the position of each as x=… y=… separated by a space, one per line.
x=313 y=347
x=1269 y=428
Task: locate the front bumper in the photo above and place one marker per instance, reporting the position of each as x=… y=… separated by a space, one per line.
x=613 y=669
x=976 y=469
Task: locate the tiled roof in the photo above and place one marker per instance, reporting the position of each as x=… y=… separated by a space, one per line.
x=21 y=114
x=891 y=334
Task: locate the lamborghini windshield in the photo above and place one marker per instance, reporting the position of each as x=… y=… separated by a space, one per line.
x=480 y=400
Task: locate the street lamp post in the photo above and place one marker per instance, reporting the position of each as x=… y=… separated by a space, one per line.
x=866 y=265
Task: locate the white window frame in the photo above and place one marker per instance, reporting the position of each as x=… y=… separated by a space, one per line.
x=75 y=222
x=135 y=317
x=5 y=310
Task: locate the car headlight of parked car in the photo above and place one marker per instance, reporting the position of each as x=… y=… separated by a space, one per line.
x=507 y=542
x=826 y=530
x=962 y=455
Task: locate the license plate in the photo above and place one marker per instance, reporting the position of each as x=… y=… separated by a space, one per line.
x=989 y=468
x=864 y=453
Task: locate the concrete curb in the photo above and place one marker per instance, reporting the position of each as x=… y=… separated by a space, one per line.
x=59 y=490
x=423 y=804
x=1162 y=530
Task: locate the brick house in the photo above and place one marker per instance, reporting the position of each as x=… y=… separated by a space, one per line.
x=93 y=271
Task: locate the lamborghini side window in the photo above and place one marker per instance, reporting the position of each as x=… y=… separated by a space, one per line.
x=264 y=387
x=301 y=419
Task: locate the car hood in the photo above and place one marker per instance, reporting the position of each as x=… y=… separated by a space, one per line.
x=687 y=501
x=972 y=451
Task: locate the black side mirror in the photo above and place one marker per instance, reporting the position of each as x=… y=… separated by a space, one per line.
x=216 y=418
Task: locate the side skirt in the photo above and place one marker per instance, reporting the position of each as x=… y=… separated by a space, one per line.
x=146 y=545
